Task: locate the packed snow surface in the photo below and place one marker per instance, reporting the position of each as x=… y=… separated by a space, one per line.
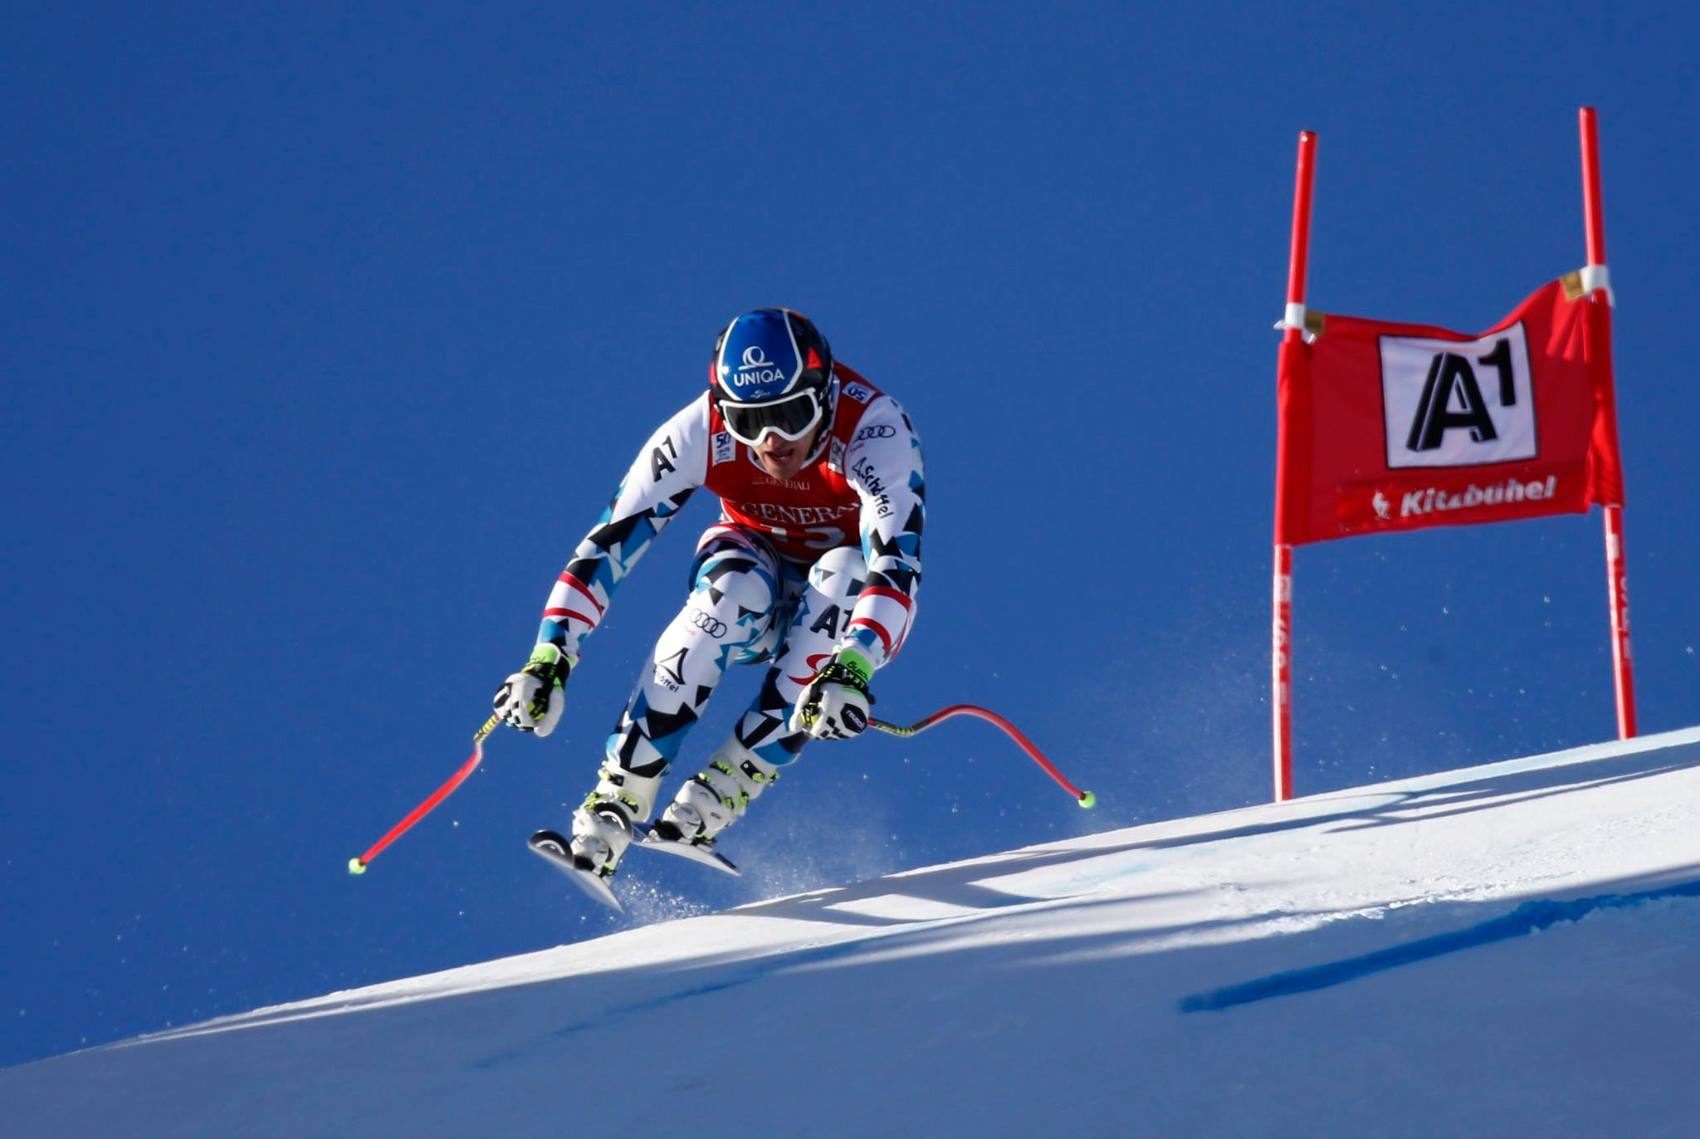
x=1503 y=950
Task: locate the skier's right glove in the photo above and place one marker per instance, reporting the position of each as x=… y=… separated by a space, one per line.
x=532 y=698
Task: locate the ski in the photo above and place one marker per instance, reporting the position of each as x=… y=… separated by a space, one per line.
x=703 y=853
x=557 y=851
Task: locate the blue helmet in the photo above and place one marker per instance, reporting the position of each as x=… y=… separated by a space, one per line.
x=767 y=353
x=772 y=370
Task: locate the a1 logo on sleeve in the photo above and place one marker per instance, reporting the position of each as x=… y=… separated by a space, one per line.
x=1458 y=403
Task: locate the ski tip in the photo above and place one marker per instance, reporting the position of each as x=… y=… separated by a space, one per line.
x=555 y=849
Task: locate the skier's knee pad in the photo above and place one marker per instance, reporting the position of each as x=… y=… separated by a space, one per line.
x=729 y=584
x=839 y=574
x=735 y=598
x=731 y=580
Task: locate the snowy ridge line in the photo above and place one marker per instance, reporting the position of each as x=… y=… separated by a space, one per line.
x=1530 y=917
x=840 y=920
x=1584 y=753
x=968 y=993
x=833 y=933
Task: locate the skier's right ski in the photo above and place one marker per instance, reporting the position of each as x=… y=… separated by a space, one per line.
x=557 y=852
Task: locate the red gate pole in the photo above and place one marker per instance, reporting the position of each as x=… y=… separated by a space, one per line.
x=1595 y=277
x=1292 y=341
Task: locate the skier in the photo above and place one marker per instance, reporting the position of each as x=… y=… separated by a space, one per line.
x=811 y=568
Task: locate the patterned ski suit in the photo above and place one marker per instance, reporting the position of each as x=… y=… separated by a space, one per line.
x=792 y=571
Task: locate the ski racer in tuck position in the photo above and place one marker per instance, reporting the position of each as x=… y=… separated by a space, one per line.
x=812 y=569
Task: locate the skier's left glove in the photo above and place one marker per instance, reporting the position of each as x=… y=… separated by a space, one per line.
x=835 y=704
x=533 y=698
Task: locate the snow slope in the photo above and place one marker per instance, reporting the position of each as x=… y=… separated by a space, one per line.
x=1509 y=949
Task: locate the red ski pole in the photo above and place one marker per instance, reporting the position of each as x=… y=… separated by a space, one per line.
x=358 y=865
x=1084 y=798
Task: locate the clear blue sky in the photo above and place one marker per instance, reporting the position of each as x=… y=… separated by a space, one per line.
x=327 y=336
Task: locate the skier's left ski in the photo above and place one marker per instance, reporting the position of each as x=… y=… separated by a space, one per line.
x=557 y=852
x=650 y=838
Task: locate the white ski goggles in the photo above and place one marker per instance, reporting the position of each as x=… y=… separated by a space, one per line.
x=790 y=418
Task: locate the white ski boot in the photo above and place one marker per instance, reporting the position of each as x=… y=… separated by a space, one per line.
x=602 y=829
x=708 y=803
x=601 y=833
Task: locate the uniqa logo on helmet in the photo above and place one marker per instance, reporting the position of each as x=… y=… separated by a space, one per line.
x=758 y=377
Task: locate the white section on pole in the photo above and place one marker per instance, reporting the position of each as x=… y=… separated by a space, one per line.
x=1294 y=317
x=1598 y=277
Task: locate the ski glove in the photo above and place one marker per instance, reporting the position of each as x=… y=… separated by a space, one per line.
x=835 y=704
x=532 y=698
